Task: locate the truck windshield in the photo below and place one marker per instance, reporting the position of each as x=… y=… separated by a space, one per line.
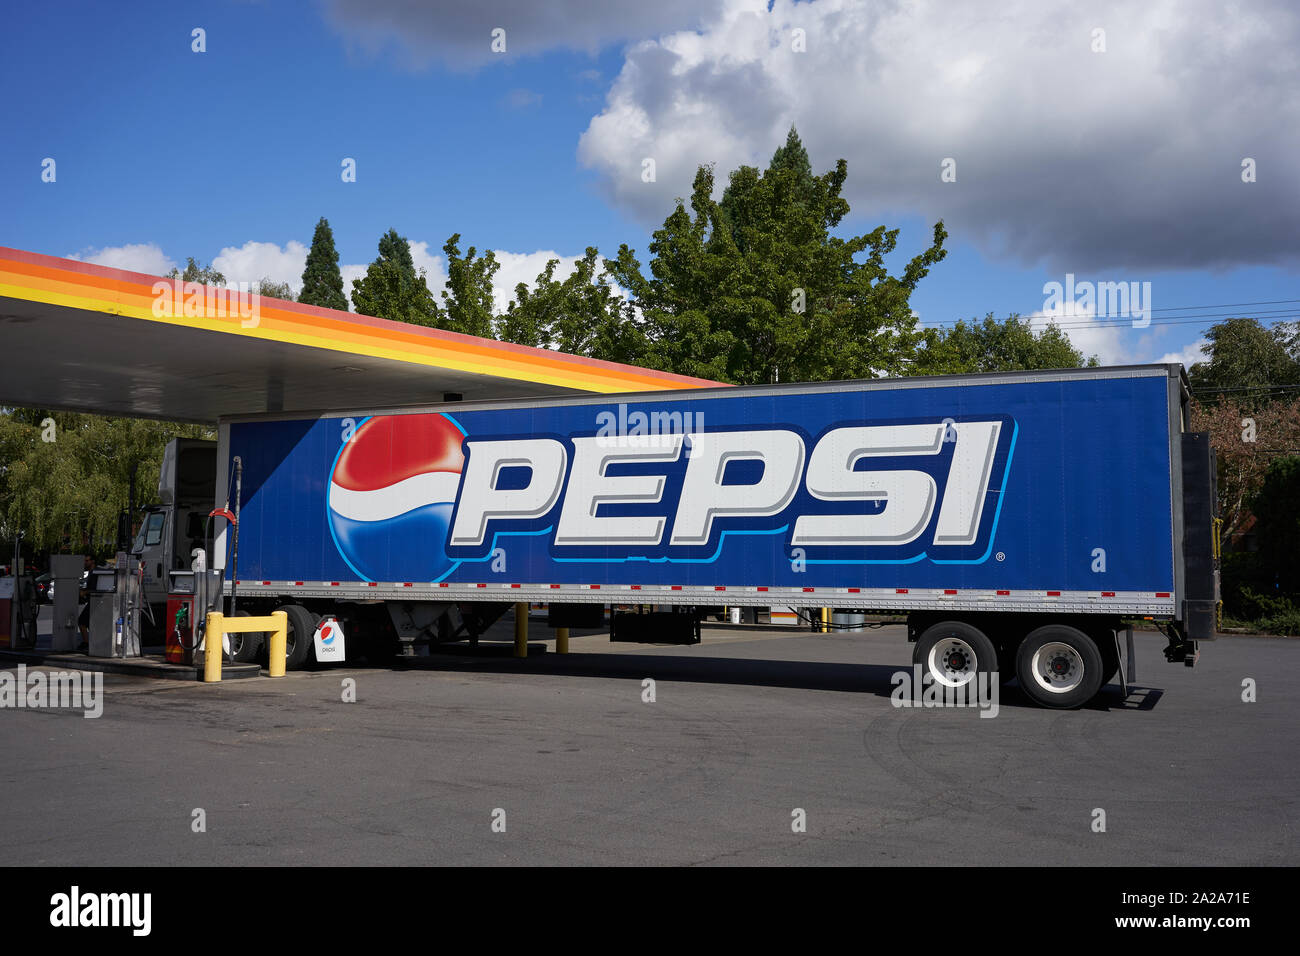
x=151 y=532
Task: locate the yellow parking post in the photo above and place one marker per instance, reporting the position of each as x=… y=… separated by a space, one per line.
x=826 y=620
x=279 y=640
x=521 y=630
x=561 y=640
x=276 y=624
x=212 y=635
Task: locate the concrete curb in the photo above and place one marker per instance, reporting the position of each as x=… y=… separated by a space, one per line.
x=136 y=667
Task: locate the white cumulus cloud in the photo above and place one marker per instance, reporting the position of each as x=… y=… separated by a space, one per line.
x=144 y=257
x=1064 y=154
x=255 y=261
x=1189 y=356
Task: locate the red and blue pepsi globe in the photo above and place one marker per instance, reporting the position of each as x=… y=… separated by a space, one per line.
x=391 y=496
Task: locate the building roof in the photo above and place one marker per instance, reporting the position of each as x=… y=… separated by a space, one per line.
x=83 y=337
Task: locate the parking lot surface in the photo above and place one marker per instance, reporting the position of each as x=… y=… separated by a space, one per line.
x=566 y=756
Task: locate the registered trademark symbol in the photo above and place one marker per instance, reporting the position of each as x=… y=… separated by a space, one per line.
x=1000 y=556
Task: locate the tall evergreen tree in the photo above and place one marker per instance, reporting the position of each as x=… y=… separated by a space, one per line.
x=395 y=249
x=322 y=282
x=393 y=289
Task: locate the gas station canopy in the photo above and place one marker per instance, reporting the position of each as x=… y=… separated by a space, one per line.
x=81 y=337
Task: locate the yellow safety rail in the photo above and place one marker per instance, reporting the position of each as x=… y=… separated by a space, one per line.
x=277 y=624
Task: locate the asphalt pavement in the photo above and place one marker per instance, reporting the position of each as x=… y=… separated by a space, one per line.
x=463 y=759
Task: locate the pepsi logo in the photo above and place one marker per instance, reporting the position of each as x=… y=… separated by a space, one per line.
x=391 y=496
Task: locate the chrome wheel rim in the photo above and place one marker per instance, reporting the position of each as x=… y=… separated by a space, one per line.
x=1057 y=668
x=952 y=662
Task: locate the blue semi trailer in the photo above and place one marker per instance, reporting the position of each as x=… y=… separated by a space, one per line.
x=1017 y=519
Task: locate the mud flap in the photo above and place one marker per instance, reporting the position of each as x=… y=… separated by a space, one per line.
x=1127 y=660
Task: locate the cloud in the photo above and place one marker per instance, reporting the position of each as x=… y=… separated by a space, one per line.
x=254 y=261
x=460 y=35
x=1065 y=157
x=516 y=267
x=144 y=257
x=524 y=267
x=1189 y=356
x=1103 y=338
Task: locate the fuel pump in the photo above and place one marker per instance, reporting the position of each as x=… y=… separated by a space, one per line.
x=115 y=595
x=191 y=595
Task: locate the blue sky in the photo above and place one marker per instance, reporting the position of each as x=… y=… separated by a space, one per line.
x=1114 y=165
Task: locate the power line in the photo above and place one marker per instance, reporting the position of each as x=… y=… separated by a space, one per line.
x=1223 y=305
x=1085 y=321
x=1114 y=322
x=1243 y=388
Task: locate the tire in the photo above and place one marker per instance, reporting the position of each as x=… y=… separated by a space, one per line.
x=246 y=646
x=1059 y=667
x=298 y=649
x=953 y=653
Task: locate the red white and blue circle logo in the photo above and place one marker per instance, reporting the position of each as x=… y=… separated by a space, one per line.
x=391 y=496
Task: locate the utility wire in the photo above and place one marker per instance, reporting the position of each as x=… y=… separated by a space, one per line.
x=1084 y=320
x=1244 y=388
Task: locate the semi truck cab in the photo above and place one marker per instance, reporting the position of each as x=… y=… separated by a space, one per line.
x=172 y=529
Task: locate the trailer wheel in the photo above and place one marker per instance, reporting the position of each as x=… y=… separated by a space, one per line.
x=1059 y=666
x=298 y=640
x=245 y=647
x=954 y=652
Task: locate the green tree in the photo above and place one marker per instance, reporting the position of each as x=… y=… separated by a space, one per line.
x=391 y=287
x=582 y=315
x=756 y=288
x=271 y=289
x=322 y=282
x=530 y=317
x=1247 y=358
x=992 y=346
x=595 y=319
x=396 y=249
x=467 y=301
x=197 y=272
x=1277 y=511
x=65 y=476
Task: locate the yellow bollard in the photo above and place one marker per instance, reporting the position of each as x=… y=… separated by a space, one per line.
x=279 y=641
x=212 y=648
x=521 y=630
x=561 y=640
x=826 y=620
